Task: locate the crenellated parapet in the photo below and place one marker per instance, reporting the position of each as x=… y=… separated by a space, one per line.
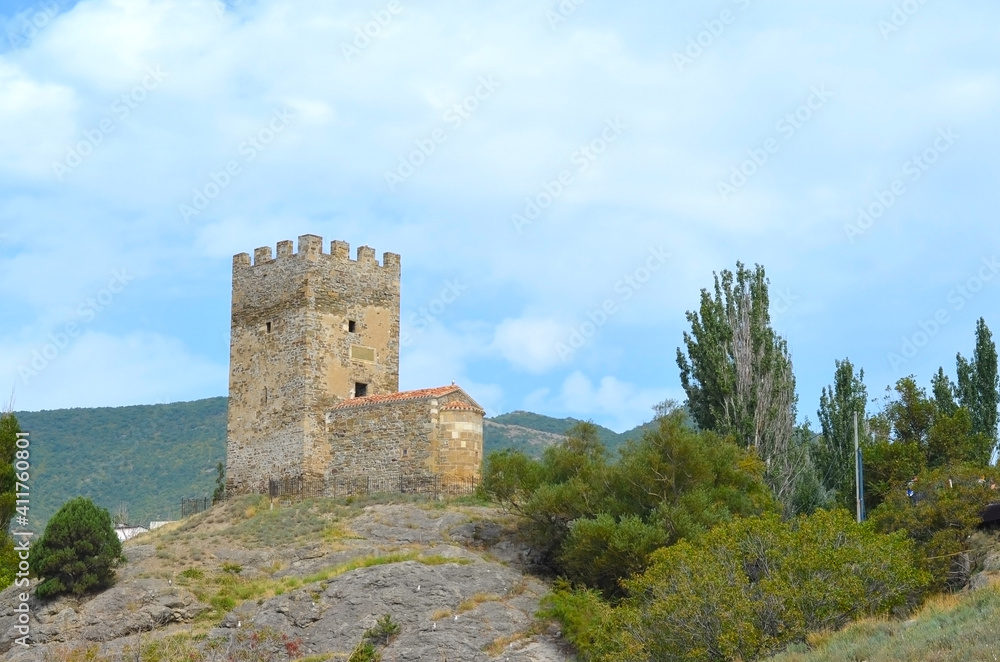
x=310 y=247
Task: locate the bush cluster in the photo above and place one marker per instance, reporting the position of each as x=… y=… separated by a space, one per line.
x=596 y=522
x=745 y=590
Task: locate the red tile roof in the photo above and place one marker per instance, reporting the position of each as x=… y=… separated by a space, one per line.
x=396 y=397
x=458 y=405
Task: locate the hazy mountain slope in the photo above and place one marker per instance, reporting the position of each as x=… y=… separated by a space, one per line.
x=146 y=456
x=498 y=437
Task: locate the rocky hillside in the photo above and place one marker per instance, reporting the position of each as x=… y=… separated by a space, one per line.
x=312 y=576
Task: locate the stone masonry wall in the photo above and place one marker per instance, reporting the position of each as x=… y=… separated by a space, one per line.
x=460 y=442
x=293 y=354
x=416 y=438
x=381 y=440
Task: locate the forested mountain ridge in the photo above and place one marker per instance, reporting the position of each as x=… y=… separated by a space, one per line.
x=145 y=456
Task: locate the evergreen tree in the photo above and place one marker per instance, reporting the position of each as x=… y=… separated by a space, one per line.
x=944 y=391
x=78 y=551
x=9 y=427
x=979 y=390
x=220 y=484
x=737 y=375
x=835 y=454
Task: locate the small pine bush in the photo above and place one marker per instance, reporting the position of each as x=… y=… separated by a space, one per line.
x=78 y=552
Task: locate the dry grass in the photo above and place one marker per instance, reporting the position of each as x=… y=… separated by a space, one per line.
x=476 y=600
x=949 y=628
x=501 y=644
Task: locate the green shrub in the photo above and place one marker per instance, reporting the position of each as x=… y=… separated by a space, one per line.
x=383 y=631
x=747 y=589
x=365 y=652
x=8 y=561
x=595 y=628
x=9 y=453
x=599 y=551
x=941 y=517
x=78 y=551
x=596 y=522
x=379 y=634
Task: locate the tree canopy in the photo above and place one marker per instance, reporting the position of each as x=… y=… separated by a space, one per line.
x=737 y=374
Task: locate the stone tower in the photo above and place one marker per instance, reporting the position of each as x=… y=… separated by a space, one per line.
x=309 y=330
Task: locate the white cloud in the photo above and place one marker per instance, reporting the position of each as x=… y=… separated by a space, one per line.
x=434 y=355
x=530 y=343
x=612 y=402
x=99 y=369
x=324 y=174
x=36 y=121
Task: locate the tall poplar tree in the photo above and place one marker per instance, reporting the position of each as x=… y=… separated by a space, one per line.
x=835 y=454
x=979 y=390
x=944 y=393
x=737 y=375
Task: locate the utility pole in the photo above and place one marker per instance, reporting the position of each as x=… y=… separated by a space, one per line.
x=859 y=488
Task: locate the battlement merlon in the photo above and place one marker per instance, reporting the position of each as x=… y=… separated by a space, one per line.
x=310 y=247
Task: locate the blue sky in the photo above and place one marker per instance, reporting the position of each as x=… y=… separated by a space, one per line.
x=549 y=167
